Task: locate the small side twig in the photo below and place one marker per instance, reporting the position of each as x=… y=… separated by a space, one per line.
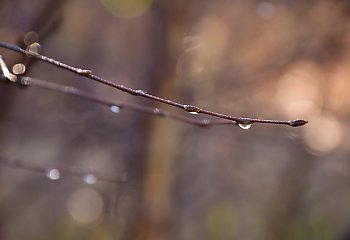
x=186 y=107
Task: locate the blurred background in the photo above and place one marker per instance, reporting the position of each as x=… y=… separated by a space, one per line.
x=71 y=169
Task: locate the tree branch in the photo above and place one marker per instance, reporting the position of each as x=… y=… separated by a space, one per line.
x=186 y=107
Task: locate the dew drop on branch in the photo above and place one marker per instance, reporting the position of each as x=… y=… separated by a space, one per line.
x=114 y=108
x=140 y=92
x=53 y=174
x=245 y=126
x=33 y=49
x=192 y=109
x=90 y=178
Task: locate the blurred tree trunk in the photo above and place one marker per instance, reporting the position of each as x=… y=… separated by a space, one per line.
x=157 y=206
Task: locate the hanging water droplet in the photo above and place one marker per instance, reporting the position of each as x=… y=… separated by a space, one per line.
x=90 y=178
x=19 y=68
x=192 y=109
x=33 y=49
x=114 y=108
x=53 y=174
x=245 y=126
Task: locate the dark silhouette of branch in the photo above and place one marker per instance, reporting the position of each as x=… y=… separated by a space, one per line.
x=189 y=108
x=58 y=172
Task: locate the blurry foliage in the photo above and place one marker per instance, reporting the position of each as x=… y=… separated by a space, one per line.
x=272 y=59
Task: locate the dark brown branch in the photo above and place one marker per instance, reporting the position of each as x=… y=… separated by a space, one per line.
x=113 y=104
x=62 y=171
x=186 y=107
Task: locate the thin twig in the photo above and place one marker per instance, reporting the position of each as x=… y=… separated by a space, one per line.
x=186 y=107
x=116 y=105
x=61 y=171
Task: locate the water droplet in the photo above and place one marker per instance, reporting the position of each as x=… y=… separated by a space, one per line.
x=19 y=68
x=192 y=109
x=53 y=174
x=245 y=126
x=114 y=108
x=139 y=92
x=90 y=178
x=33 y=49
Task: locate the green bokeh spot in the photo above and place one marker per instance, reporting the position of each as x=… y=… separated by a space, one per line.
x=127 y=8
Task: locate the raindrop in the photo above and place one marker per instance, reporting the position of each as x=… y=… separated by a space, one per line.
x=19 y=68
x=114 y=108
x=53 y=174
x=140 y=92
x=245 y=126
x=90 y=178
x=192 y=109
x=84 y=72
x=33 y=49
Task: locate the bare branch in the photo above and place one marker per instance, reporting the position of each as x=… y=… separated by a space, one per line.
x=186 y=107
x=114 y=105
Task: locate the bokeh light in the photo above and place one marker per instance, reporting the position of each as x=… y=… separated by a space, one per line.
x=19 y=68
x=323 y=134
x=265 y=10
x=127 y=8
x=298 y=92
x=85 y=205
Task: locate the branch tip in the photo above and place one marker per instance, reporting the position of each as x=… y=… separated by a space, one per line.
x=297 y=123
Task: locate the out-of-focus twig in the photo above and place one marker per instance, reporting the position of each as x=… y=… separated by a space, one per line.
x=58 y=172
x=186 y=107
